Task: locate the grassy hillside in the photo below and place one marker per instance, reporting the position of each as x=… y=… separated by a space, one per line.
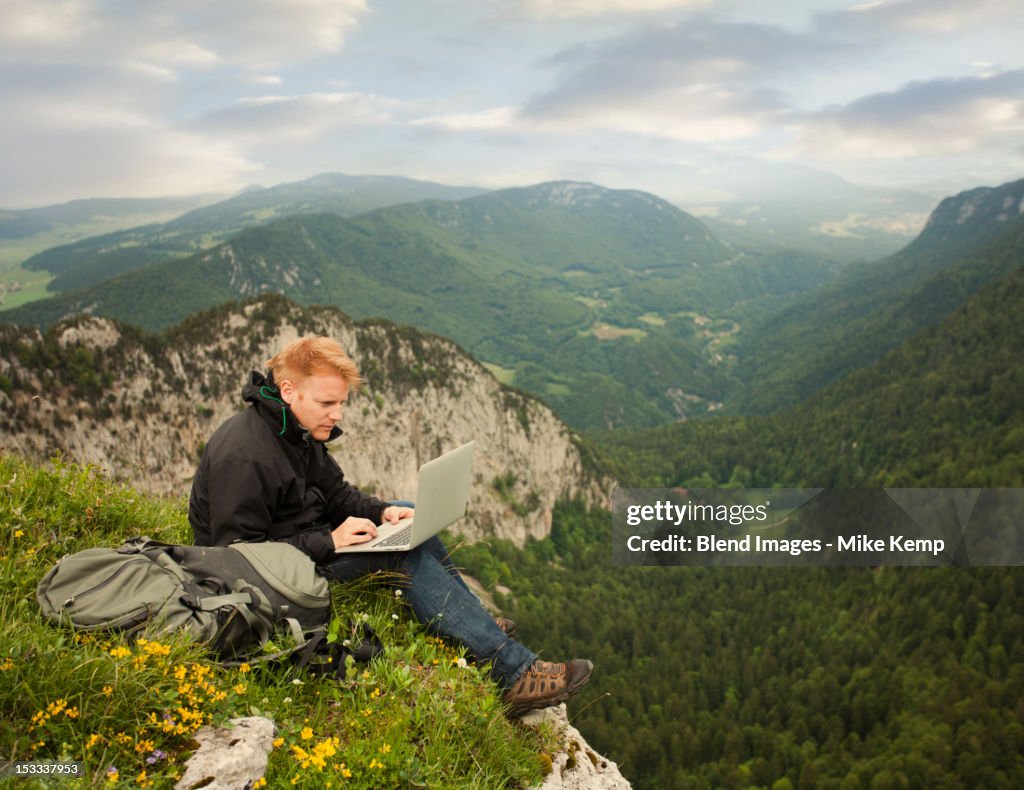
x=126 y=711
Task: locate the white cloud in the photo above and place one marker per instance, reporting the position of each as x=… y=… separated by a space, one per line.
x=179 y=33
x=180 y=52
x=115 y=152
x=563 y=9
x=44 y=23
x=921 y=119
x=695 y=81
x=97 y=96
x=900 y=17
x=501 y=118
x=272 y=120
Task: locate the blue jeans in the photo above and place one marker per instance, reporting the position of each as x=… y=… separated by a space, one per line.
x=441 y=600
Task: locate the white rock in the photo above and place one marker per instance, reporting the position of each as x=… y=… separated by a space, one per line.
x=229 y=758
x=576 y=766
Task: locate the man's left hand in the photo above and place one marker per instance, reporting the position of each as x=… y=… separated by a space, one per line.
x=395 y=513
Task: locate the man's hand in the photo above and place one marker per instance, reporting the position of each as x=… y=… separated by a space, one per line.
x=395 y=513
x=352 y=531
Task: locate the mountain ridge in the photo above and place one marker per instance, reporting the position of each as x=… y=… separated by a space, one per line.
x=970 y=240
x=143 y=405
x=510 y=282
x=91 y=260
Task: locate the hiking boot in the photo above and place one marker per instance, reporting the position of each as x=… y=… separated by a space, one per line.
x=507 y=626
x=544 y=684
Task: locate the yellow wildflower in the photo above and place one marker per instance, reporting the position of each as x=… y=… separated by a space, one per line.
x=306 y=734
x=385 y=749
x=157 y=649
x=243 y=669
x=120 y=652
x=18 y=533
x=107 y=691
x=7 y=665
x=278 y=743
x=239 y=688
x=93 y=740
x=144 y=746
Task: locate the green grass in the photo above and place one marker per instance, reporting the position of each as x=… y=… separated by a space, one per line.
x=32 y=286
x=419 y=716
x=506 y=376
x=605 y=331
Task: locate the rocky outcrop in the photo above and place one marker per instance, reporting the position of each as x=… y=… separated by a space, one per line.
x=575 y=766
x=141 y=408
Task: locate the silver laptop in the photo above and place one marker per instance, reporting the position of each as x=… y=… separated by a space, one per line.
x=442 y=493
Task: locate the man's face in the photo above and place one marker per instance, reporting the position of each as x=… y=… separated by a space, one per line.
x=316 y=402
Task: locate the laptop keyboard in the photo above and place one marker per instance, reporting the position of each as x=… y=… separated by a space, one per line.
x=400 y=537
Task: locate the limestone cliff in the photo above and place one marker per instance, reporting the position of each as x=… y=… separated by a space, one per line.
x=141 y=406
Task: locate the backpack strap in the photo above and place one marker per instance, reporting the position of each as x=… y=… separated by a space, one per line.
x=306 y=643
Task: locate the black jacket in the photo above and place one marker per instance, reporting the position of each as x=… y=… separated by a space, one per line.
x=264 y=477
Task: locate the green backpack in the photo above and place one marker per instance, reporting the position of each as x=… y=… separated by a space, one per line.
x=235 y=598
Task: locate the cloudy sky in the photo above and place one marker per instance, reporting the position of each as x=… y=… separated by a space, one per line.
x=697 y=100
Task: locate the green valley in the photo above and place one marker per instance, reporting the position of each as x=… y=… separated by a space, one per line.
x=576 y=288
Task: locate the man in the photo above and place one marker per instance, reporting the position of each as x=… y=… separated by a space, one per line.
x=266 y=475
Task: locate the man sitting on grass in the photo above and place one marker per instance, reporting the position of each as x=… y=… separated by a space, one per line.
x=266 y=475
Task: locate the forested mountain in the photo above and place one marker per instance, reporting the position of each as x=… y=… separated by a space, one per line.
x=602 y=302
x=98 y=258
x=971 y=239
x=945 y=409
x=807 y=677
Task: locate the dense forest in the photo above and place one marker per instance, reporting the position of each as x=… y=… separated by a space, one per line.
x=778 y=677
x=805 y=677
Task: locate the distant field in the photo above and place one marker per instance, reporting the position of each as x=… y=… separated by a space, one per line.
x=30 y=287
x=603 y=331
x=505 y=376
x=14 y=251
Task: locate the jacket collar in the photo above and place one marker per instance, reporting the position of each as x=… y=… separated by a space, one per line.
x=264 y=395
